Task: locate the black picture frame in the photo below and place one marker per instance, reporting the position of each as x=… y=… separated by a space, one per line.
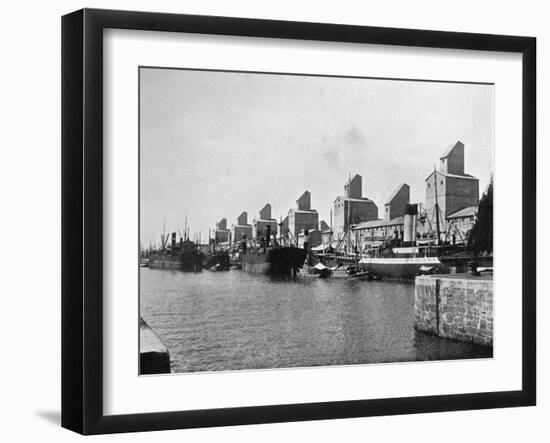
x=82 y=220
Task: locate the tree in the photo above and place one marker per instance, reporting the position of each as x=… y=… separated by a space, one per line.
x=481 y=236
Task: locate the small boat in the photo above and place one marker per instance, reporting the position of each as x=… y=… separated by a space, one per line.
x=218 y=261
x=349 y=272
x=317 y=271
x=339 y=271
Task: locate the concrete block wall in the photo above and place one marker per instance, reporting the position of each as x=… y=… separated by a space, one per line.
x=459 y=308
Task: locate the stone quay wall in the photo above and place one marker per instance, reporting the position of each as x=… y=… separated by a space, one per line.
x=457 y=307
x=154 y=357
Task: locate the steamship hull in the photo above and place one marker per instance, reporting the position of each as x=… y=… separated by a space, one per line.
x=183 y=262
x=402 y=268
x=273 y=261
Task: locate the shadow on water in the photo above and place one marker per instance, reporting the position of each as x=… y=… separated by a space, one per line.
x=430 y=347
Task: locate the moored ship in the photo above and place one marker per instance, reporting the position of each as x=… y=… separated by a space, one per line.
x=273 y=260
x=403 y=263
x=187 y=257
x=395 y=258
x=269 y=259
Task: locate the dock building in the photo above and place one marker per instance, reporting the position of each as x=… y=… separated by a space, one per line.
x=282 y=232
x=391 y=226
x=380 y=230
x=352 y=208
x=302 y=216
x=457 y=200
x=326 y=232
x=241 y=229
x=458 y=226
x=263 y=221
x=454 y=188
x=396 y=205
x=222 y=234
x=315 y=238
x=460 y=223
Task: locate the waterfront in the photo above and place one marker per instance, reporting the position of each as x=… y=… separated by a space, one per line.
x=233 y=320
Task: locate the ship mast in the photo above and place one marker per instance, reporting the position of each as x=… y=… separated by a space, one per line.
x=436 y=208
x=164 y=235
x=348 y=233
x=330 y=232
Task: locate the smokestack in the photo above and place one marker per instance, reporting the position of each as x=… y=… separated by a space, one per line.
x=267 y=235
x=173 y=240
x=411 y=212
x=306 y=239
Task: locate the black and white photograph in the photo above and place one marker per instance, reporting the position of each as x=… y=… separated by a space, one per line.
x=275 y=222
x=292 y=220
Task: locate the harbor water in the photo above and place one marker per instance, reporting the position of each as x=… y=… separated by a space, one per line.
x=218 y=321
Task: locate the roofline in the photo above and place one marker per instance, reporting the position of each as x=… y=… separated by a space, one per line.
x=391 y=222
x=366 y=199
x=467 y=177
x=312 y=211
x=453 y=215
x=264 y=220
x=394 y=193
x=450 y=149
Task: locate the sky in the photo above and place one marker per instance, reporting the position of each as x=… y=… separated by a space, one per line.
x=214 y=144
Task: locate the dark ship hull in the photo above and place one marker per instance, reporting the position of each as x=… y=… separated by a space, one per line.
x=284 y=260
x=186 y=261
